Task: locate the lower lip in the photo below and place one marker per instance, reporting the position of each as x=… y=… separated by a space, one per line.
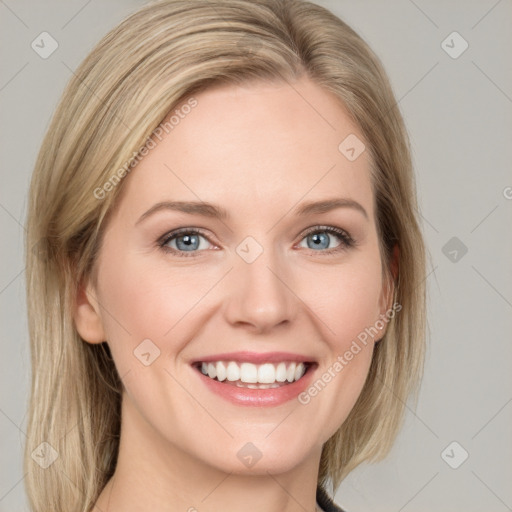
x=258 y=397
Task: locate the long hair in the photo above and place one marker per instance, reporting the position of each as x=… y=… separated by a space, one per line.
x=125 y=88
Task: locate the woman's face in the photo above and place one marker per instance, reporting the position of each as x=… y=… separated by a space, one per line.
x=266 y=278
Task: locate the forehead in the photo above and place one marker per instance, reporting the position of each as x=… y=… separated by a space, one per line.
x=254 y=145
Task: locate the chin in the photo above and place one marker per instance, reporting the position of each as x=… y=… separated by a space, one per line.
x=262 y=453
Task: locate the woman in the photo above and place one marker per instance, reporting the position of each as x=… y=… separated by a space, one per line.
x=225 y=268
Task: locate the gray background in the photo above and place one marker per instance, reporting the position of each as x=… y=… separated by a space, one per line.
x=458 y=112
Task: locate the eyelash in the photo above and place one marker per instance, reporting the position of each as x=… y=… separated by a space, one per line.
x=346 y=240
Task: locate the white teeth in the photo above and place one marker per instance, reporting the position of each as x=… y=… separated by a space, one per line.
x=233 y=371
x=290 y=374
x=281 y=372
x=212 y=371
x=266 y=374
x=299 y=371
x=249 y=373
x=221 y=371
x=254 y=376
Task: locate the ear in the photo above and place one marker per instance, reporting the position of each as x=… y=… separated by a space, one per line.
x=388 y=288
x=87 y=315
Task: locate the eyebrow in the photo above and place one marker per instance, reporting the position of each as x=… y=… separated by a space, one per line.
x=328 y=205
x=209 y=210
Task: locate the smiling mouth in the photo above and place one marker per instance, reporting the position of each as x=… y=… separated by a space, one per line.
x=254 y=376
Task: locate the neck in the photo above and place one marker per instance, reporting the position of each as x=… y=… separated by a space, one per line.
x=155 y=474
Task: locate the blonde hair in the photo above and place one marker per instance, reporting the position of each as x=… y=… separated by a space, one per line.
x=141 y=70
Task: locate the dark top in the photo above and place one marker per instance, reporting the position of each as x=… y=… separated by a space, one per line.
x=325 y=501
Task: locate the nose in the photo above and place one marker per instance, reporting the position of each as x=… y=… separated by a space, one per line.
x=260 y=294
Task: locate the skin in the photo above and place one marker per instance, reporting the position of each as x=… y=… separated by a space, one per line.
x=258 y=151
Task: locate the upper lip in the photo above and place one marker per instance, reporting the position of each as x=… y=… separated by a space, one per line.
x=255 y=357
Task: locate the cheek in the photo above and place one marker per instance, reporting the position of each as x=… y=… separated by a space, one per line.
x=348 y=302
x=149 y=301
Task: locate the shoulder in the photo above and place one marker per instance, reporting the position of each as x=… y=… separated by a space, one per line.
x=325 y=501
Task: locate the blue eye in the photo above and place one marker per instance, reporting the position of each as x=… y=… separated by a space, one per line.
x=188 y=241
x=320 y=239
x=185 y=240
